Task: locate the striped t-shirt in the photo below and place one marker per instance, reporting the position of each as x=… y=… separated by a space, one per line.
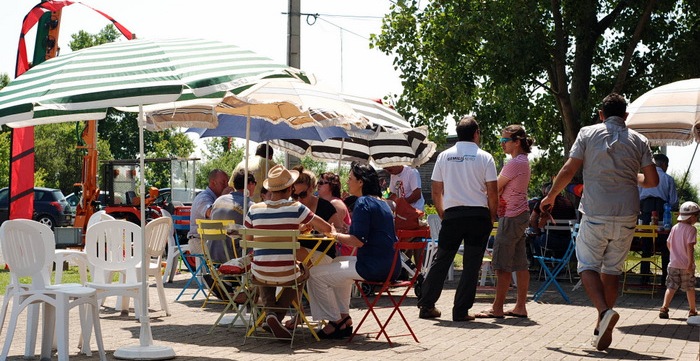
x=515 y=192
x=275 y=265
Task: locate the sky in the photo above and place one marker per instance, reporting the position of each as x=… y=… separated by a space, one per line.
x=335 y=47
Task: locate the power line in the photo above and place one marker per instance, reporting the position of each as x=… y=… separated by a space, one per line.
x=318 y=16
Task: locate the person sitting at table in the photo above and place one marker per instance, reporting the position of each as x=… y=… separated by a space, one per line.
x=230 y=207
x=372 y=232
x=558 y=240
x=329 y=189
x=284 y=214
x=303 y=192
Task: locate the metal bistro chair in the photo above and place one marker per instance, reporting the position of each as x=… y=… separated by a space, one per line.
x=634 y=261
x=182 y=222
x=266 y=241
x=395 y=291
x=211 y=231
x=547 y=250
x=553 y=266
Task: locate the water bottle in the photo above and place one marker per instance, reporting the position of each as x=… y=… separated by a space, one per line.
x=667 y=216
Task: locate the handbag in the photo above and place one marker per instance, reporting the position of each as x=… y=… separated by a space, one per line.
x=405 y=216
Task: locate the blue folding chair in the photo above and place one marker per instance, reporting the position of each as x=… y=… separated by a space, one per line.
x=182 y=223
x=552 y=266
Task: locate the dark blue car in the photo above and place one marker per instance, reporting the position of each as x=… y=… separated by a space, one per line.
x=50 y=207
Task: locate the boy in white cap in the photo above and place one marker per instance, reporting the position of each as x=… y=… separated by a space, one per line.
x=681 y=267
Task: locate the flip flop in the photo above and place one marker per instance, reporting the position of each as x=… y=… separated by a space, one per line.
x=513 y=314
x=486 y=314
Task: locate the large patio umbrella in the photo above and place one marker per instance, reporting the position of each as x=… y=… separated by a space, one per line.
x=290 y=101
x=83 y=84
x=387 y=140
x=669 y=115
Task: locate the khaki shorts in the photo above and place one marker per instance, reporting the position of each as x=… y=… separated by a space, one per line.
x=509 y=251
x=680 y=279
x=602 y=243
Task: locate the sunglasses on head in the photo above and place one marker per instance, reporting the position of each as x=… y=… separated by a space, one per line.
x=300 y=195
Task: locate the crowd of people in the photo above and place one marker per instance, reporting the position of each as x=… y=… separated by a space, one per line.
x=622 y=184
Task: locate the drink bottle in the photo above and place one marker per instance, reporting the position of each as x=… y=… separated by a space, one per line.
x=667 y=216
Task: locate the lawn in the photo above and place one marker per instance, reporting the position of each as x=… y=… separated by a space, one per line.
x=69 y=276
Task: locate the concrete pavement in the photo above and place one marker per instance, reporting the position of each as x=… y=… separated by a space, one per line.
x=554 y=331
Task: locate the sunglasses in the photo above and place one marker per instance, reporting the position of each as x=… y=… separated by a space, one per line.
x=300 y=195
x=323 y=182
x=505 y=140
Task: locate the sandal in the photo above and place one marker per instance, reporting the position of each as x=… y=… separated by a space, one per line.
x=663 y=313
x=692 y=313
x=338 y=332
x=292 y=323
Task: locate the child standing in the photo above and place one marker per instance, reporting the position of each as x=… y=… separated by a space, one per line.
x=681 y=267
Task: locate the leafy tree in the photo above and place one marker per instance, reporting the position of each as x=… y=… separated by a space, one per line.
x=4 y=141
x=544 y=64
x=83 y=39
x=219 y=154
x=686 y=191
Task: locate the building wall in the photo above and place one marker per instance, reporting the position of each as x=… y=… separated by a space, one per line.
x=426 y=170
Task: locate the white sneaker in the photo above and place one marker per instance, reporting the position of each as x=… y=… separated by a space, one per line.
x=607 y=323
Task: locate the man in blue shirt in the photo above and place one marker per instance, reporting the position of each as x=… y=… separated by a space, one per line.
x=653 y=199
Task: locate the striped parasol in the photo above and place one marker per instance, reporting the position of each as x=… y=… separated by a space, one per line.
x=669 y=114
x=386 y=141
x=81 y=85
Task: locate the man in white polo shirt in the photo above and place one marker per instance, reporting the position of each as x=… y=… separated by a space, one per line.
x=465 y=194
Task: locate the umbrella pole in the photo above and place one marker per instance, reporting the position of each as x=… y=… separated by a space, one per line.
x=245 y=176
x=689 y=165
x=145 y=350
x=340 y=158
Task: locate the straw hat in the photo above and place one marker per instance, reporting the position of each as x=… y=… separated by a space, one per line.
x=688 y=209
x=279 y=178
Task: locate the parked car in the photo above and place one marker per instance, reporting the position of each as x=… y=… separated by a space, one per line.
x=74 y=198
x=50 y=207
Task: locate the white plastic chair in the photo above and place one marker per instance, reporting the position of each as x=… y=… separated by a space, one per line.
x=29 y=247
x=435 y=224
x=173 y=252
x=115 y=246
x=77 y=256
x=157 y=232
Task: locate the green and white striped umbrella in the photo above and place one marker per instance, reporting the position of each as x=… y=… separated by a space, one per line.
x=81 y=85
x=135 y=73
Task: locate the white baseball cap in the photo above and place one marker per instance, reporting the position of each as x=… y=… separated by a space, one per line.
x=688 y=209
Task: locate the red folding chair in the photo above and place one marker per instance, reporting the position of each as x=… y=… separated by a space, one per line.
x=395 y=291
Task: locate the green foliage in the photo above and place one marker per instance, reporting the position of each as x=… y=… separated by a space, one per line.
x=4 y=156
x=219 y=154
x=686 y=191
x=546 y=70
x=83 y=39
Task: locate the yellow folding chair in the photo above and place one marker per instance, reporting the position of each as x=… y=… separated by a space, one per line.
x=279 y=242
x=210 y=232
x=634 y=260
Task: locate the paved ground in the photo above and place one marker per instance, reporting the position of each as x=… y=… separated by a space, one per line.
x=554 y=331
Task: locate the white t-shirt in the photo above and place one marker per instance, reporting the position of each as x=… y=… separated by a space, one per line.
x=404 y=183
x=464 y=169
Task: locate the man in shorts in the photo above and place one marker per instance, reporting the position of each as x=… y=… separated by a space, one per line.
x=611 y=156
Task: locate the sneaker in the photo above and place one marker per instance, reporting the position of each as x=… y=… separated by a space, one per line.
x=607 y=323
x=427 y=313
x=277 y=328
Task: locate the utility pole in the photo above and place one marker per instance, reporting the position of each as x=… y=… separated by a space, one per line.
x=293 y=50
